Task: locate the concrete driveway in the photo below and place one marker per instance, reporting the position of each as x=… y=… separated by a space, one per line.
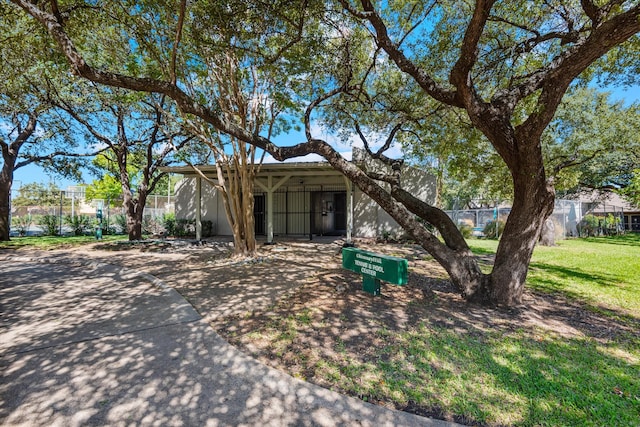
x=95 y=344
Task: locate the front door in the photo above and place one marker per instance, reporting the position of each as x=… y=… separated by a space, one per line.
x=259 y=213
x=340 y=212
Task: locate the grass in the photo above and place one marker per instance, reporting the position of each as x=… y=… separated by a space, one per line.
x=52 y=242
x=521 y=378
x=602 y=272
x=512 y=376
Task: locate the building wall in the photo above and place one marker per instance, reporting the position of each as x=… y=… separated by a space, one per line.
x=212 y=207
x=295 y=197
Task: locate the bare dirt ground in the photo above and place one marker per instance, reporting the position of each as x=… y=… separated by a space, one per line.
x=304 y=280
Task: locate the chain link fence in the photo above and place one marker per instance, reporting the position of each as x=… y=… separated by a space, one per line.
x=566 y=217
x=67 y=212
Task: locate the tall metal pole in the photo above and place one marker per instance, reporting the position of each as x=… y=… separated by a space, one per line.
x=61 y=195
x=497 y=221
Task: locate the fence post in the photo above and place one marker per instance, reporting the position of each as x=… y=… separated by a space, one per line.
x=61 y=195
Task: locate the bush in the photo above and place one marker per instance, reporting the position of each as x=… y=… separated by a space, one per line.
x=121 y=222
x=22 y=224
x=466 y=230
x=207 y=228
x=589 y=226
x=169 y=222
x=50 y=225
x=493 y=229
x=80 y=224
x=612 y=224
x=185 y=227
x=152 y=225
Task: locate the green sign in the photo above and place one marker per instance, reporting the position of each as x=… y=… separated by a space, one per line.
x=375 y=267
x=99 y=213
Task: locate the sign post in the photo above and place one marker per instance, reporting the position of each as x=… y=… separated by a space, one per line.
x=99 y=227
x=375 y=268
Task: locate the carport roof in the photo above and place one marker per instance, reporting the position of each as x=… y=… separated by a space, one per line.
x=282 y=168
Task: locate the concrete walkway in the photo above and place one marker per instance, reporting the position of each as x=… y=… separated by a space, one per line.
x=94 y=344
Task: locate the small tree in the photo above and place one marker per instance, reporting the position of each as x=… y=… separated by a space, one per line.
x=139 y=140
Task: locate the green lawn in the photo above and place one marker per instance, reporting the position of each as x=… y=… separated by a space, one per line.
x=603 y=272
x=522 y=378
x=506 y=374
x=51 y=242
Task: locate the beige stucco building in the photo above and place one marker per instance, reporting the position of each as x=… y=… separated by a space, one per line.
x=297 y=199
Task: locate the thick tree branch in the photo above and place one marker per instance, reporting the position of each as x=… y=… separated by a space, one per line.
x=379 y=154
x=176 y=42
x=562 y=70
x=31 y=159
x=434 y=216
x=556 y=79
x=384 y=41
x=461 y=72
x=56 y=11
x=23 y=135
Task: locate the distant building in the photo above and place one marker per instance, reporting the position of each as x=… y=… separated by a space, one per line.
x=604 y=203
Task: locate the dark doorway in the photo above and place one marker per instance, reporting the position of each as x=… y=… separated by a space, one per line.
x=328 y=213
x=258 y=213
x=340 y=214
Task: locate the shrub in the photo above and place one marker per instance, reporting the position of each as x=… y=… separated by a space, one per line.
x=22 y=224
x=49 y=224
x=493 y=229
x=152 y=225
x=185 y=227
x=466 y=230
x=80 y=224
x=121 y=222
x=169 y=222
x=612 y=224
x=207 y=228
x=588 y=226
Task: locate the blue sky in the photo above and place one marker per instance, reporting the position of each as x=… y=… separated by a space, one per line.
x=34 y=173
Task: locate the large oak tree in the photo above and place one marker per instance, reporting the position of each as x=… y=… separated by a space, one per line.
x=136 y=135
x=506 y=65
x=32 y=130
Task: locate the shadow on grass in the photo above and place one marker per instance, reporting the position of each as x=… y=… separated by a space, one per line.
x=527 y=380
x=629 y=239
x=54 y=242
x=553 y=281
x=482 y=251
x=554 y=271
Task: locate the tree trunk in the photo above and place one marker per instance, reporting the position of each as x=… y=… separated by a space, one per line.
x=133 y=210
x=548 y=234
x=532 y=205
x=6 y=181
x=248 y=214
x=4 y=211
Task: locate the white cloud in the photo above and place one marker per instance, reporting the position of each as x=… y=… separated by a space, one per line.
x=309 y=158
x=342 y=145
